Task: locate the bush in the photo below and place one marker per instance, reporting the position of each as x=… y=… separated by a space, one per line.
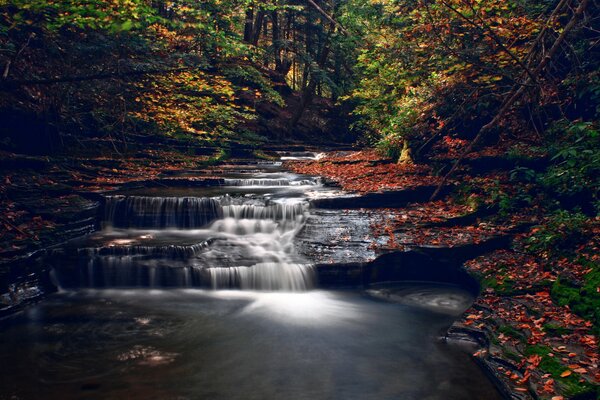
x=560 y=232
x=575 y=172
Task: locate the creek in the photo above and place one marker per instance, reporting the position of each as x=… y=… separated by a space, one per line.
x=210 y=292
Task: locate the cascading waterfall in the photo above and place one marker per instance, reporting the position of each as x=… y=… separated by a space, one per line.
x=263 y=276
x=277 y=212
x=160 y=212
x=266 y=234
x=166 y=251
x=270 y=182
x=219 y=242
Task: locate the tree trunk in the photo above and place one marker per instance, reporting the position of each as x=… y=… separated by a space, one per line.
x=258 y=23
x=249 y=25
x=275 y=37
x=309 y=91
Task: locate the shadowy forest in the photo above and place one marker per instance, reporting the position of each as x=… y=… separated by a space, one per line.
x=493 y=104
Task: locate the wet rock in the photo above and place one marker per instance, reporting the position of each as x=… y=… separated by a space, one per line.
x=416 y=265
x=387 y=199
x=336 y=237
x=189 y=181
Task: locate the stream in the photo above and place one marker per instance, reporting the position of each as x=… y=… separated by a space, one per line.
x=213 y=293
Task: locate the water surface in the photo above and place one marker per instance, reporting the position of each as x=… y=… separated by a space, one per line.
x=195 y=344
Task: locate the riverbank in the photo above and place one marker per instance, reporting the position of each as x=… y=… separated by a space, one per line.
x=535 y=316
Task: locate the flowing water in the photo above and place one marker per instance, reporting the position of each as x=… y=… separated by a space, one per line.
x=200 y=293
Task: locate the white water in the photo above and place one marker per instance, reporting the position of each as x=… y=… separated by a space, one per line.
x=270 y=182
x=263 y=233
x=220 y=242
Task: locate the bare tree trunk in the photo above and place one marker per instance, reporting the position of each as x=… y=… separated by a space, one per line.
x=249 y=24
x=258 y=23
x=276 y=38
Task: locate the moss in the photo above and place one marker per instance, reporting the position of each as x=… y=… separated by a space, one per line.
x=571 y=384
x=556 y=330
x=220 y=155
x=261 y=155
x=583 y=298
x=503 y=288
x=512 y=332
x=511 y=355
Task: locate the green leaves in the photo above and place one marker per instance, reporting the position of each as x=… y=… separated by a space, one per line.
x=127 y=25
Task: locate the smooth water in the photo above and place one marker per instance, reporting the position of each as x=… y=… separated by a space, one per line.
x=146 y=309
x=195 y=344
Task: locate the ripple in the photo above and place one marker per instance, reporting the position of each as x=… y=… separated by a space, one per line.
x=445 y=299
x=147 y=356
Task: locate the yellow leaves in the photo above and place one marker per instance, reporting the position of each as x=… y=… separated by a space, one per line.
x=193 y=102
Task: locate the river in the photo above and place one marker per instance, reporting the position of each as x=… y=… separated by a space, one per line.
x=201 y=293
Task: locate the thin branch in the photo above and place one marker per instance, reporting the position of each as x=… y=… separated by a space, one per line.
x=328 y=17
x=488 y=30
x=16 y=56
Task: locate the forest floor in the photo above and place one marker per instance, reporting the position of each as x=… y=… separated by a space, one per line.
x=535 y=304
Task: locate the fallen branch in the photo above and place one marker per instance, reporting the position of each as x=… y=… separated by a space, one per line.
x=13 y=226
x=16 y=57
x=486 y=29
x=328 y=17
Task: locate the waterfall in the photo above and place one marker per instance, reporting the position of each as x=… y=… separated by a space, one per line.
x=160 y=212
x=277 y=212
x=218 y=242
x=269 y=182
x=167 y=251
x=263 y=276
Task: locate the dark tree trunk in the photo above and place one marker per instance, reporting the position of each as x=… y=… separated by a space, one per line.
x=249 y=25
x=309 y=91
x=258 y=23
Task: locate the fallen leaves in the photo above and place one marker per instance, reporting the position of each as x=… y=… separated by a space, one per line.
x=366 y=171
x=32 y=202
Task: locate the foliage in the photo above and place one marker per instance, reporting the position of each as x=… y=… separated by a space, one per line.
x=576 y=160
x=423 y=60
x=181 y=96
x=561 y=231
x=583 y=298
x=552 y=366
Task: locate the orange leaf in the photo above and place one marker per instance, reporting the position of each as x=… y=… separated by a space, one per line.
x=565 y=374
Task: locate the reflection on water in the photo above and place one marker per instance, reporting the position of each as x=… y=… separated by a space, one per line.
x=194 y=344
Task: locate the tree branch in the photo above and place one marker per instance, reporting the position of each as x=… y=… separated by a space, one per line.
x=515 y=93
x=486 y=29
x=16 y=56
x=328 y=17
